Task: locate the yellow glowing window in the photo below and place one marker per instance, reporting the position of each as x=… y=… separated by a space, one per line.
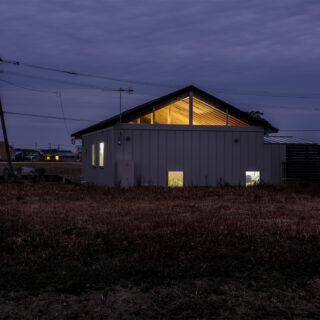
x=47 y=157
x=93 y=154
x=146 y=119
x=56 y=158
x=175 y=113
x=204 y=113
x=207 y=114
x=252 y=178
x=101 y=154
x=175 y=178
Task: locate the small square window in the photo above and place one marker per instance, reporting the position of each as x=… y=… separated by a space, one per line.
x=175 y=178
x=252 y=178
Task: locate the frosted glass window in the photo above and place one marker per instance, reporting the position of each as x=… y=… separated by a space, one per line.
x=101 y=154
x=175 y=178
x=252 y=178
x=93 y=154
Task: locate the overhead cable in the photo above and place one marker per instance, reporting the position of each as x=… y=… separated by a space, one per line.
x=47 y=117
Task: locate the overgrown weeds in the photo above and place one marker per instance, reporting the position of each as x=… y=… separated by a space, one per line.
x=76 y=238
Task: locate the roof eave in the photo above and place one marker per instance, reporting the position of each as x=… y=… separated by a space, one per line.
x=169 y=97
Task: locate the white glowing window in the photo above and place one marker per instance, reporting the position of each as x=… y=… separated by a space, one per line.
x=252 y=178
x=93 y=154
x=175 y=178
x=101 y=154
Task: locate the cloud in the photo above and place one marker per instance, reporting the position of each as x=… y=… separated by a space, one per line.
x=249 y=44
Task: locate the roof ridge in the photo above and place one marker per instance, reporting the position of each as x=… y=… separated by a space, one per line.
x=147 y=106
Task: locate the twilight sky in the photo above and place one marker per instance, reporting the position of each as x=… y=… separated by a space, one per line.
x=256 y=55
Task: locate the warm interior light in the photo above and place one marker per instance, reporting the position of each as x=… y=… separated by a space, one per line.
x=252 y=178
x=175 y=113
x=93 y=154
x=178 y=113
x=56 y=158
x=47 y=157
x=101 y=154
x=175 y=178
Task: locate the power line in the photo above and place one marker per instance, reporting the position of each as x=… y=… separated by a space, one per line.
x=115 y=90
x=157 y=84
x=47 y=117
x=27 y=88
x=84 y=120
x=79 y=84
x=59 y=101
x=270 y=94
x=60 y=104
x=89 y=75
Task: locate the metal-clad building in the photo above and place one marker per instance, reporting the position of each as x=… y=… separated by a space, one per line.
x=185 y=138
x=302 y=161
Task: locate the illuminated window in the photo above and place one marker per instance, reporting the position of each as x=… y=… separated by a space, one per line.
x=175 y=178
x=178 y=113
x=101 y=154
x=93 y=155
x=175 y=113
x=207 y=114
x=252 y=178
x=47 y=157
x=146 y=119
x=56 y=158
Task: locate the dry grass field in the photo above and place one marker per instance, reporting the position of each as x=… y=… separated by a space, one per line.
x=70 y=170
x=88 y=252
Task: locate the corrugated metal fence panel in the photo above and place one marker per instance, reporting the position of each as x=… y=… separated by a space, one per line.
x=303 y=162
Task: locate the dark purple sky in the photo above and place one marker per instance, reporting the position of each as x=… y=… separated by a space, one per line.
x=232 y=49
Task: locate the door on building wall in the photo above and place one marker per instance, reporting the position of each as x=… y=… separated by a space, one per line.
x=125 y=173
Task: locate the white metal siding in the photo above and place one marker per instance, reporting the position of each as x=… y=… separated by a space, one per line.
x=95 y=174
x=208 y=155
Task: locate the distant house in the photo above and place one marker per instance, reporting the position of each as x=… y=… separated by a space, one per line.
x=22 y=154
x=3 y=153
x=66 y=156
x=58 y=155
x=185 y=138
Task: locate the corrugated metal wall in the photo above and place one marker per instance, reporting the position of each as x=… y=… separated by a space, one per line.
x=207 y=155
x=303 y=162
x=96 y=174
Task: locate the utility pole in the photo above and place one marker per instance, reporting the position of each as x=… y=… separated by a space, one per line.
x=3 y=124
x=120 y=90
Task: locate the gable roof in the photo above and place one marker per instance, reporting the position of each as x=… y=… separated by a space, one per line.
x=147 y=107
